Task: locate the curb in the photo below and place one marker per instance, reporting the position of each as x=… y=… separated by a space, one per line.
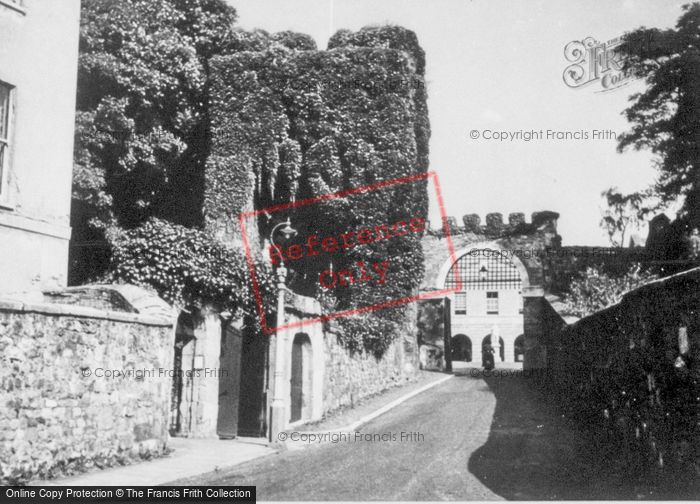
x=162 y=470
x=291 y=445
x=275 y=448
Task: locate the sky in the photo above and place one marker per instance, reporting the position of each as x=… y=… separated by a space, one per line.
x=497 y=66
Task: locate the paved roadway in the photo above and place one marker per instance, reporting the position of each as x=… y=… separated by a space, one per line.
x=476 y=439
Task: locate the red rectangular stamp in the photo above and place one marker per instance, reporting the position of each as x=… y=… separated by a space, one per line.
x=360 y=260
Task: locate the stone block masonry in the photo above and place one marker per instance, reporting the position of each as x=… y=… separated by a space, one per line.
x=79 y=388
x=352 y=376
x=337 y=376
x=631 y=373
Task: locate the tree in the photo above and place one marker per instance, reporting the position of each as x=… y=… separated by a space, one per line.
x=189 y=268
x=666 y=117
x=625 y=213
x=142 y=120
x=595 y=290
x=142 y=106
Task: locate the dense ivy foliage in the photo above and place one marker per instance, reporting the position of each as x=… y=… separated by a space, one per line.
x=188 y=267
x=368 y=332
x=395 y=37
x=142 y=124
x=306 y=123
x=596 y=290
x=184 y=121
x=142 y=106
x=388 y=37
x=142 y=145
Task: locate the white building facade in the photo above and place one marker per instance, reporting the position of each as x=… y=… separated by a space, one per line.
x=38 y=79
x=487 y=305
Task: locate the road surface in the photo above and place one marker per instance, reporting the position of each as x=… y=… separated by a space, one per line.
x=469 y=438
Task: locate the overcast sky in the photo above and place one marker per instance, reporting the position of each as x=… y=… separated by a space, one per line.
x=497 y=65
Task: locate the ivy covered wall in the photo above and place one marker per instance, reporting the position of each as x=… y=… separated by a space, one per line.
x=289 y=122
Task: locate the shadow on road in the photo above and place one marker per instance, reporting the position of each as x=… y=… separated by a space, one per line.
x=534 y=453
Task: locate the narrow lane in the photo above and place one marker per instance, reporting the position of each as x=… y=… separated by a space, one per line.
x=466 y=439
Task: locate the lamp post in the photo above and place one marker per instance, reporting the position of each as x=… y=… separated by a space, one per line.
x=277 y=408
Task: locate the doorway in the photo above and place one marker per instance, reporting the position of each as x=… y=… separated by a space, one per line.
x=300 y=380
x=229 y=381
x=252 y=417
x=461 y=348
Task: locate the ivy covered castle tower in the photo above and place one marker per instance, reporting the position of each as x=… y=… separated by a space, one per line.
x=290 y=123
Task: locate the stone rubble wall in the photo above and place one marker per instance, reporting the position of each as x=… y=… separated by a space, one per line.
x=350 y=376
x=631 y=373
x=59 y=412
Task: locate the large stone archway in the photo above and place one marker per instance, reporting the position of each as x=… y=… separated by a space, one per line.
x=493 y=246
x=490 y=283
x=527 y=244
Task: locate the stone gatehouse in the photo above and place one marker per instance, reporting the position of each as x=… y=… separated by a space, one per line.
x=497 y=271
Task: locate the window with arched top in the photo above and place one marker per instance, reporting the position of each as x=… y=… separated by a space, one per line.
x=484 y=269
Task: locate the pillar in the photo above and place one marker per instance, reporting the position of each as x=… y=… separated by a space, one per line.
x=509 y=350
x=533 y=310
x=202 y=354
x=496 y=343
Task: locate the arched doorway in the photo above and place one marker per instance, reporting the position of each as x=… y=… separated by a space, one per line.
x=519 y=348
x=461 y=348
x=300 y=380
x=501 y=347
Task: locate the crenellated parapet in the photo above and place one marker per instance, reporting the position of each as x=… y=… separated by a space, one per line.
x=472 y=223
x=516 y=218
x=494 y=226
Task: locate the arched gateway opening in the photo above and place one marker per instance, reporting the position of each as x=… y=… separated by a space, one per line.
x=519 y=351
x=499 y=353
x=487 y=286
x=461 y=348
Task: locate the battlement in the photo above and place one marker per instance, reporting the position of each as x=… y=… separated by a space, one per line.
x=494 y=225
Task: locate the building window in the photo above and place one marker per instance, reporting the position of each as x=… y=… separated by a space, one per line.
x=5 y=120
x=460 y=303
x=492 y=303
x=484 y=269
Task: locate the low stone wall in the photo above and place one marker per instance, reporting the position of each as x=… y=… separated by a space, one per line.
x=632 y=374
x=349 y=376
x=63 y=409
